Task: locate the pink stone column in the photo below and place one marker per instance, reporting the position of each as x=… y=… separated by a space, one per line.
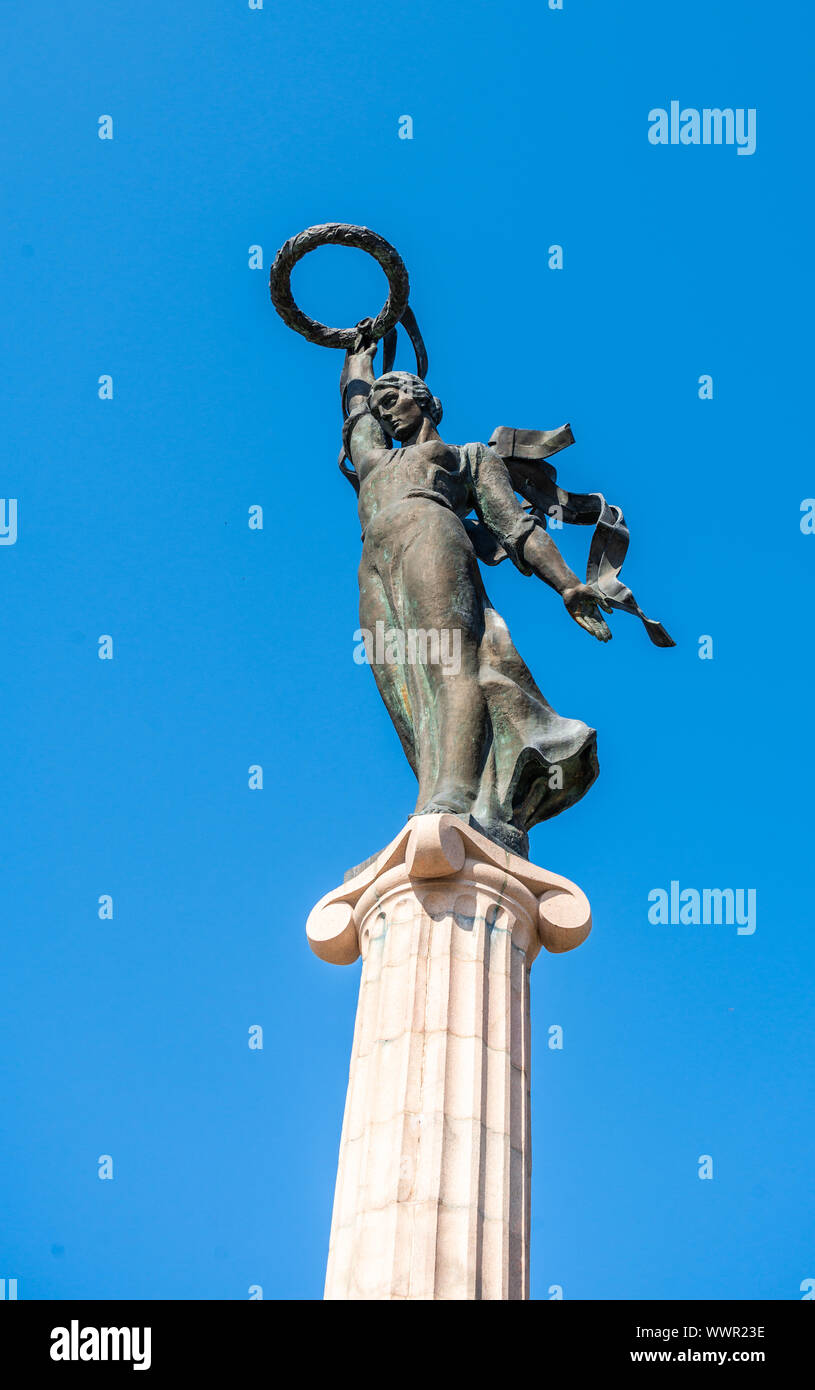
x=433 y=1185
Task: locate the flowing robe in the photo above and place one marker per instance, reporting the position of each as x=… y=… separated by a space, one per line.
x=419 y=572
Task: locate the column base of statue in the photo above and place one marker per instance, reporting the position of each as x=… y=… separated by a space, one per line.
x=433 y=1187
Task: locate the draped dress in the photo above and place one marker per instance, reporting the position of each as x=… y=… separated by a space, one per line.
x=419 y=571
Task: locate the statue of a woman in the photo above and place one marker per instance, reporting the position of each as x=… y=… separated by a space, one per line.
x=481 y=738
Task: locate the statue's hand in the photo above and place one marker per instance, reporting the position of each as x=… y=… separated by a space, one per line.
x=364 y=342
x=581 y=604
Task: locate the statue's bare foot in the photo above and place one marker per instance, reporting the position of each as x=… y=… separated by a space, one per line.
x=449 y=799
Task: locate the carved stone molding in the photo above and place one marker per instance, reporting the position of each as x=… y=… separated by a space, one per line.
x=431 y=847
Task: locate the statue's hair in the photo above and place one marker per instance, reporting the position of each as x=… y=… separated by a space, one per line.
x=411 y=385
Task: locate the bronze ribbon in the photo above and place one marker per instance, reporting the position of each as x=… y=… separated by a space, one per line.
x=524 y=452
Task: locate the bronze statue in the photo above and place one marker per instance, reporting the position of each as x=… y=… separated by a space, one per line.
x=482 y=739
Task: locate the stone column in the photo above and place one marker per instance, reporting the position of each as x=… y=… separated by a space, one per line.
x=433 y=1186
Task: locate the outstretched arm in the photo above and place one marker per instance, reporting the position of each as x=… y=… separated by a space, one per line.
x=546 y=561
x=528 y=543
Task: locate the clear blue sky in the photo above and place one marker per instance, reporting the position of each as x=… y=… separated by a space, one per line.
x=233 y=647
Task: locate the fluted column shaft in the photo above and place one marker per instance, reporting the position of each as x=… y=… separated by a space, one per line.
x=432 y=1198
x=433 y=1185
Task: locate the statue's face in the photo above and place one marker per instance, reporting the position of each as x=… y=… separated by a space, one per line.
x=397 y=412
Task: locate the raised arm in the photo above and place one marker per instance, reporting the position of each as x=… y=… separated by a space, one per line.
x=364 y=434
x=528 y=545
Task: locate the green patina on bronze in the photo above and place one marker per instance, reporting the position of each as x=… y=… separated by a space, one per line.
x=481 y=738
